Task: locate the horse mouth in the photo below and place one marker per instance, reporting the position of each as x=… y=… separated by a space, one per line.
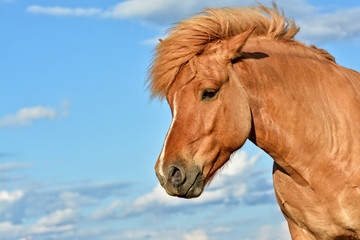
x=196 y=188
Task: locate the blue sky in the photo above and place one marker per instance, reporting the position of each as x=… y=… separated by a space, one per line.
x=80 y=136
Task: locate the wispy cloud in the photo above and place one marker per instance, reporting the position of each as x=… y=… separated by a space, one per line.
x=4 y=167
x=6 y=196
x=60 y=217
x=279 y=232
x=53 y=212
x=171 y=234
x=198 y=234
x=334 y=26
x=317 y=25
x=26 y=116
x=66 y=211
x=64 y=208
x=222 y=190
x=265 y=232
x=64 y=11
x=8 y=230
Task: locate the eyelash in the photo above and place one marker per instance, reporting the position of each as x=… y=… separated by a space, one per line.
x=209 y=94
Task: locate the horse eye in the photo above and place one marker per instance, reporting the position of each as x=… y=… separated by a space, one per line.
x=209 y=93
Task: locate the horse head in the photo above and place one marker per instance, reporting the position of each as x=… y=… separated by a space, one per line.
x=211 y=119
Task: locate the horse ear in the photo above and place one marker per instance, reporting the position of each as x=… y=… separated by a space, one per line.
x=160 y=40
x=235 y=44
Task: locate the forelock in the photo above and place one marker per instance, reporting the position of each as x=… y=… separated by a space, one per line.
x=190 y=37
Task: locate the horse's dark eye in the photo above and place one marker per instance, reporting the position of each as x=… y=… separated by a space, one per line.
x=209 y=93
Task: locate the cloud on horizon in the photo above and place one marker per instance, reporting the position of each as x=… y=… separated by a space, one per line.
x=221 y=191
x=67 y=211
x=53 y=213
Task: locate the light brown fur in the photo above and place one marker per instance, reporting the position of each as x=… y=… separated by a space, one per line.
x=292 y=101
x=191 y=36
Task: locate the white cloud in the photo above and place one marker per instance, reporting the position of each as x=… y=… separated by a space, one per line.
x=64 y=11
x=160 y=12
x=46 y=211
x=173 y=233
x=67 y=211
x=27 y=238
x=339 y=25
x=59 y=217
x=140 y=234
x=43 y=229
x=10 y=230
x=158 y=197
x=221 y=229
x=12 y=166
x=198 y=234
x=15 y=207
x=239 y=161
x=222 y=190
x=142 y=8
x=271 y=232
x=163 y=12
x=25 y=116
x=6 y=196
x=69 y=199
x=316 y=25
x=107 y=212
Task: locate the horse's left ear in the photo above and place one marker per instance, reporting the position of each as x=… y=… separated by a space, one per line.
x=234 y=45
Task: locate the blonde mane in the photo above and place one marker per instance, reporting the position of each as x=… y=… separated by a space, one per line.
x=191 y=36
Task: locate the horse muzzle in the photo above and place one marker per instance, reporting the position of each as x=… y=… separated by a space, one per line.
x=181 y=182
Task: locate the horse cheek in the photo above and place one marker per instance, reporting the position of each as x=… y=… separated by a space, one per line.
x=238 y=122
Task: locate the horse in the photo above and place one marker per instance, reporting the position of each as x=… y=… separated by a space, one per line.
x=232 y=74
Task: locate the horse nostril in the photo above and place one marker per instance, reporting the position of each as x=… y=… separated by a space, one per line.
x=176 y=177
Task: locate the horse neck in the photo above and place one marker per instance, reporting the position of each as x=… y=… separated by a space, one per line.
x=302 y=112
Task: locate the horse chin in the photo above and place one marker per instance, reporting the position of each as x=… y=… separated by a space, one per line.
x=193 y=192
